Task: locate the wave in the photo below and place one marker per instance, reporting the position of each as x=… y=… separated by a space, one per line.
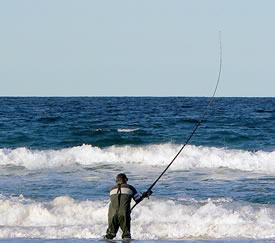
x=127 y=129
x=64 y=217
x=149 y=155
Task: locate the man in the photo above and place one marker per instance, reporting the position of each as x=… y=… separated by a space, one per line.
x=120 y=208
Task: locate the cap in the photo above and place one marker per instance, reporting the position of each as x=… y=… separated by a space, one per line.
x=121 y=177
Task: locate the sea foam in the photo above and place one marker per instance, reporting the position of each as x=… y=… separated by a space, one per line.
x=127 y=129
x=150 y=155
x=64 y=217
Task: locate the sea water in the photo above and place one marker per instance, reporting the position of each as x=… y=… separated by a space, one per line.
x=59 y=158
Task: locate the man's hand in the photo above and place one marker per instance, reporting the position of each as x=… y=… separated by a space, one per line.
x=146 y=194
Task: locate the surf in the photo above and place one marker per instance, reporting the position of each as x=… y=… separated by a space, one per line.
x=154 y=155
x=163 y=219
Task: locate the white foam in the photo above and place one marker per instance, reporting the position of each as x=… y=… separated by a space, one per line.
x=150 y=155
x=153 y=219
x=127 y=129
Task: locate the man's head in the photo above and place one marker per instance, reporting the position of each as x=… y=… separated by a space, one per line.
x=121 y=178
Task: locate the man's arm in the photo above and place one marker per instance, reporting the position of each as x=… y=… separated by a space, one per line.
x=137 y=197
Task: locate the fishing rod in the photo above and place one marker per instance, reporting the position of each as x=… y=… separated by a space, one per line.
x=148 y=192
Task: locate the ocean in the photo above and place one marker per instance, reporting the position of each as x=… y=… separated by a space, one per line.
x=59 y=157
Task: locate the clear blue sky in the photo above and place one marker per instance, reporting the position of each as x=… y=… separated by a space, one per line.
x=144 y=47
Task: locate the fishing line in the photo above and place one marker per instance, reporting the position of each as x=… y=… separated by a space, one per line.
x=199 y=122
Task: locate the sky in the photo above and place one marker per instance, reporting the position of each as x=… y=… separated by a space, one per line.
x=136 y=48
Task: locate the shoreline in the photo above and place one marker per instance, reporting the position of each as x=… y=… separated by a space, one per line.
x=35 y=240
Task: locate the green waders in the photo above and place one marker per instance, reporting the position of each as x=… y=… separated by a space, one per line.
x=119 y=214
x=118 y=219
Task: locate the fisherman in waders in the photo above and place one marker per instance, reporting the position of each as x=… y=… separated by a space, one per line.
x=120 y=209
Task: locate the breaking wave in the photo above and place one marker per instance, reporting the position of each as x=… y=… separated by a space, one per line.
x=151 y=155
x=64 y=217
x=127 y=129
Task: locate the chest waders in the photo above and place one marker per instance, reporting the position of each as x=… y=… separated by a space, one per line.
x=119 y=215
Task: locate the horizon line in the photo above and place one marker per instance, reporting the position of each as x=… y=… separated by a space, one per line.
x=125 y=96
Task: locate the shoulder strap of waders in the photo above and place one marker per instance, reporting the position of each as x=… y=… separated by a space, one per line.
x=119 y=194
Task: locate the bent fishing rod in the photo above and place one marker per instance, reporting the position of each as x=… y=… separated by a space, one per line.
x=148 y=192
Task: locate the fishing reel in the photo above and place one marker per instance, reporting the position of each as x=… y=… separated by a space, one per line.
x=147 y=194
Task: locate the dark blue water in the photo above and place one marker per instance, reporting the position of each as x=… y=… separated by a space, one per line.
x=73 y=147
x=43 y=123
